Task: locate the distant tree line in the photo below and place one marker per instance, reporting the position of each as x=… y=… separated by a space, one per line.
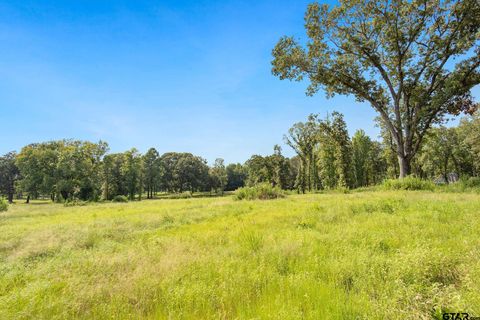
x=326 y=158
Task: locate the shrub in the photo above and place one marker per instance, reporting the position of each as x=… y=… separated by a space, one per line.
x=343 y=190
x=3 y=205
x=120 y=198
x=262 y=191
x=472 y=182
x=408 y=183
x=74 y=203
x=183 y=195
x=59 y=198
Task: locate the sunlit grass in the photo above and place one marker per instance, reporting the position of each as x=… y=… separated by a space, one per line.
x=369 y=255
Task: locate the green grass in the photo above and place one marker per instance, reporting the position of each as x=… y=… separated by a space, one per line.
x=368 y=255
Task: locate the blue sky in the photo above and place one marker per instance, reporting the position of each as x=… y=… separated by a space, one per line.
x=188 y=76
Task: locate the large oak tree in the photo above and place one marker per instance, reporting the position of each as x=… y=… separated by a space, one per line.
x=415 y=62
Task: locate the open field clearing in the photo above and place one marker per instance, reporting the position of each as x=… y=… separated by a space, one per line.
x=369 y=255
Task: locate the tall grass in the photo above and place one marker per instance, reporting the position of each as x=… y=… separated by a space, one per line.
x=408 y=183
x=368 y=255
x=3 y=205
x=471 y=185
x=120 y=198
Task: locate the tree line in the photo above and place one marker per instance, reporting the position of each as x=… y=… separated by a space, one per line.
x=71 y=169
x=326 y=158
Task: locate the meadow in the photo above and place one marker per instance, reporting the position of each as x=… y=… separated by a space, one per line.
x=360 y=255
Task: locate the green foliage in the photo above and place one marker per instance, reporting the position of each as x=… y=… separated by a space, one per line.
x=184 y=171
x=66 y=168
x=69 y=170
x=152 y=172
x=408 y=183
x=469 y=133
x=120 y=198
x=441 y=153
x=262 y=191
x=3 y=205
x=303 y=137
x=472 y=182
x=132 y=171
x=274 y=169
x=236 y=176
x=325 y=153
x=335 y=153
x=9 y=174
x=75 y=203
x=369 y=164
x=467 y=185
x=218 y=176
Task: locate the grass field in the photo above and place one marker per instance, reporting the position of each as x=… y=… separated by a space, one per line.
x=368 y=255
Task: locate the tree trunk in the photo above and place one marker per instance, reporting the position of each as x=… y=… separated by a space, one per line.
x=404 y=164
x=28 y=199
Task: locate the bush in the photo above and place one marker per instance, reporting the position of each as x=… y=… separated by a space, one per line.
x=408 y=183
x=120 y=198
x=262 y=191
x=3 y=205
x=74 y=203
x=472 y=182
x=183 y=195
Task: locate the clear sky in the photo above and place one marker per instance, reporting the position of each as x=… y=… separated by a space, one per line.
x=188 y=76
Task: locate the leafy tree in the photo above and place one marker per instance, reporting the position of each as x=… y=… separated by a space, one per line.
x=62 y=169
x=361 y=145
x=280 y=168
x=258 y=170
x=377 y=164
x=389 y=152
x=112 y=176
x=236 y=176
x=303 y=138
x=183 y=171
x=132 y=170
x=335 y=153
x=218 y=175
x=191 y=173
x=168 y=161
x=37 y=163
x=438 y=151
x=445 y=150
x=368 y=162
x=151 y=165
x=343 y=150
x=9 y=174
x=326 y=162
x=469 y=135
x=295 y=173
x=77 y=169
x=396 y=55
x=274 y=170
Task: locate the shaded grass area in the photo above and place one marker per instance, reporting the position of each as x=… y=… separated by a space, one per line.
x=368 y=255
